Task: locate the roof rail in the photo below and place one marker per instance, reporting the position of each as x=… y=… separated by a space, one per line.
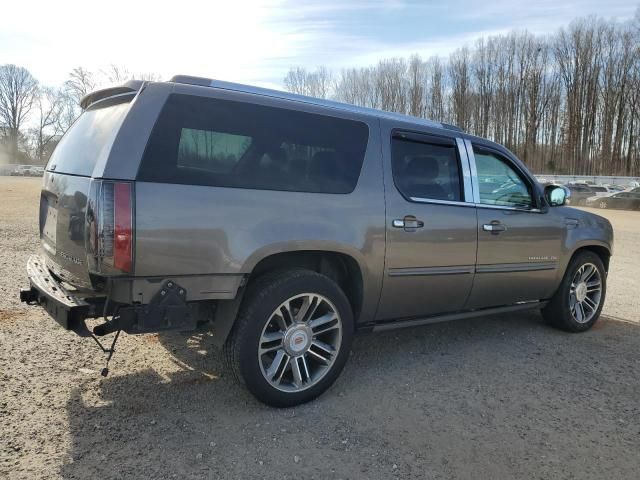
x=455 y=128
x=238 y=87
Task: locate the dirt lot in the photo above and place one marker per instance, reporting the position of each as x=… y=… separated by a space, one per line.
x=500 y=397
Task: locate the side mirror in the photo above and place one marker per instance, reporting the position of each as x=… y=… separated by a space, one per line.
x=556 y=195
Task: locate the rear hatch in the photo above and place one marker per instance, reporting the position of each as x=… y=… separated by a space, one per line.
x=67 y=186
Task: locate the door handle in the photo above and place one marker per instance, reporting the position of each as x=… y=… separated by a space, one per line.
x=409 y=223
x=494 y=227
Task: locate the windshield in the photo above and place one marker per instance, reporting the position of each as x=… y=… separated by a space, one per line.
x=88 y=138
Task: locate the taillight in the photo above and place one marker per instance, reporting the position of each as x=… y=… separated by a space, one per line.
x=123 y=231
x=110 y=227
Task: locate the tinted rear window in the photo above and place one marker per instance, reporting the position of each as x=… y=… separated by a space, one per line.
x=426 y=170
x=89 y=137
x=205 y=141
x=598 y=189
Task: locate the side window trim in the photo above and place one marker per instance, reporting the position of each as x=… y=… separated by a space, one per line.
x=476 y=184
x=467 y=176
x=465 y=171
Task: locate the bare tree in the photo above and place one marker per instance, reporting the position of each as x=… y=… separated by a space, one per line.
x=81 y=82
x=314 y=84
x=17 y=95
x=49 y=109
x=461 y=98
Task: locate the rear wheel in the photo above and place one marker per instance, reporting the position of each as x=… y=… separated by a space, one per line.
x=603 y=204
x=292 y=337
x=577 y=303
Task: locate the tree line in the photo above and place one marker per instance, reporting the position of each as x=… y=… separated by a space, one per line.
x=564 y=103
x=33 y=117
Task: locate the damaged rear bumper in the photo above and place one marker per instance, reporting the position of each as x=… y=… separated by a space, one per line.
x=167 y=310
x=64 y=306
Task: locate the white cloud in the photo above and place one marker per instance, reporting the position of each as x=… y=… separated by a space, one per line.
x=258 y=41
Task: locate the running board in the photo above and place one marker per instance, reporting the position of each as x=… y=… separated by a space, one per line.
x=392 y=325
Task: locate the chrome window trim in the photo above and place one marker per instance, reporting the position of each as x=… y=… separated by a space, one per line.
x=467 y=177
x=471 y=185
x=504 y=207
x=474 y=171
x=441 y=202
x=466 y=171
x=472 y=204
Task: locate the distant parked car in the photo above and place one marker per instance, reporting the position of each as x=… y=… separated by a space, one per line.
x=19 y=171
x=35 y=171
x=621 y=200
x=600 y=190
x=579 y=193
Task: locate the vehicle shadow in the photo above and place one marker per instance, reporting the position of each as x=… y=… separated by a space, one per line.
x=487 y=395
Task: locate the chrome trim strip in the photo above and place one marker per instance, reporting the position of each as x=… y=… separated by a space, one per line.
x=441 y=202
x=474 y=171
x=466 y=171
x=423 y=271
x=478 y=205
x=504 y=207
x=516 y=267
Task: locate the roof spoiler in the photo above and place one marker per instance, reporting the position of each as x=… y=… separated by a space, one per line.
x=131 y=87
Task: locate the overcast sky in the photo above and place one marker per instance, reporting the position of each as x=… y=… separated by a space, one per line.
x=258 y=41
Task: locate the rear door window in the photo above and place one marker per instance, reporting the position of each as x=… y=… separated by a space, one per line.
x=90 y=137
x=206 y=141
x=427 y=170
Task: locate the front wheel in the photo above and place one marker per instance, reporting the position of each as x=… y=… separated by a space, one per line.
x=577 y=303
x=292 y=337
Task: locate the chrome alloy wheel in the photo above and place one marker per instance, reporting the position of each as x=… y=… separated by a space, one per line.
x=585 y=293
x=300 y=342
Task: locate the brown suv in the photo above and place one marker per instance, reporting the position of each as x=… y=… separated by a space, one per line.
x=289 y=223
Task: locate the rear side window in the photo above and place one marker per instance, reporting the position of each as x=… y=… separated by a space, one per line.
x=427 y=170
x=215 y=152
x=221 y=143
x=89 y=137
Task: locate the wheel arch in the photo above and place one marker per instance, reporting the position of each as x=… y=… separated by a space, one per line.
x=341 y=267
x=602 y=251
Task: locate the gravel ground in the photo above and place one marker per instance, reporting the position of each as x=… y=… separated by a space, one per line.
x=500 y=397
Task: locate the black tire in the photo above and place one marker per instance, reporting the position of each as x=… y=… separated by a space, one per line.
x=262 y=298
x=558 y=311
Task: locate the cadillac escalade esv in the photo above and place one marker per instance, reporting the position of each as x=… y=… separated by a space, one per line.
x=288 y=223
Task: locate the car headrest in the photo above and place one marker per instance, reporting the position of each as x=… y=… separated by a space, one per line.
x=422 y=166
